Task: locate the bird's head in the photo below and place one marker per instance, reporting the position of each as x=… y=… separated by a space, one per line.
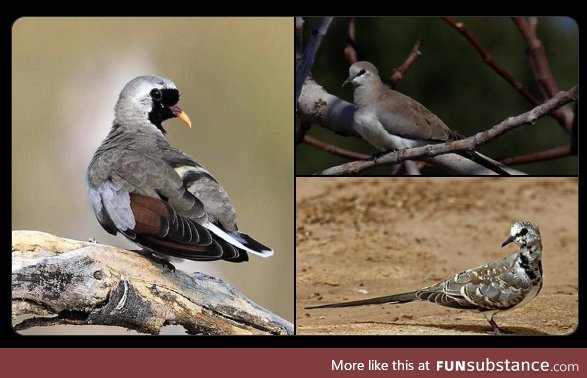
x=362 y=73
x=523 y=234
x=149 y=100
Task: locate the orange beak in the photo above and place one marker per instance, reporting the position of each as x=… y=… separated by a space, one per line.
x=181 y=115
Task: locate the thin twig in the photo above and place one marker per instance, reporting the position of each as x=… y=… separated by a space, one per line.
x=469 y=143
x=398 y=73
x=534 y=157
x=305 y=65
x=335 y=150
x=541 y=68
x=350 y=51
x=488 y=59
x=537 y=57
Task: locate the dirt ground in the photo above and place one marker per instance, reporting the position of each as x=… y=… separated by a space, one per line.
x=358 y=238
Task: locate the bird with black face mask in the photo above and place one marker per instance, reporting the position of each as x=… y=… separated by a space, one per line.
x=154 y=194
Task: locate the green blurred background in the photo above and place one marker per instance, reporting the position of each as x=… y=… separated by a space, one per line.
x=236 y=81
x=451 y=80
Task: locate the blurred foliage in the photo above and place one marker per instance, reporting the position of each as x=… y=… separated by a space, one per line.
x=451 y=80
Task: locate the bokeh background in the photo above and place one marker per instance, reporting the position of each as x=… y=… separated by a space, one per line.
x=236 y=82
x=451 y=80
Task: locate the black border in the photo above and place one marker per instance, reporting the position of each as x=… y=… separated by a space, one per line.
x=12 y=339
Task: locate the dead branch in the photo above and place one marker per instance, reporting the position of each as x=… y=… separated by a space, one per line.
x=63 y=281
x=305 y=65
x=335 y=150
x=398 y=73
x=541 y=68
x=537 y=56
x=350 y=51
x=534 y=157
x=469 y=143
x=488 y=59
x=318 y=106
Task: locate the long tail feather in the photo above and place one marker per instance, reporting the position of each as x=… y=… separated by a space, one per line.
x=396 y=298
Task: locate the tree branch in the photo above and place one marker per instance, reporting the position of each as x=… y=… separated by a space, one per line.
x=469 y=143
x=537 y=56
x=350 y=51
x=541 y=68
x=305 y=65
x=318 y=106
x=488 y=59
x=62 y=281
x=534 y=157
x=399 y=72
x=335 y=150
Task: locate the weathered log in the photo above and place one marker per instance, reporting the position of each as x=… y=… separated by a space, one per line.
x=63 y=281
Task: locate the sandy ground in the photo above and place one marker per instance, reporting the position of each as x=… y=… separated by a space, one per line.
x=358 y=238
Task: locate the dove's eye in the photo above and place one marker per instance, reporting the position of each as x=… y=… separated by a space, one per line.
x=156 y=94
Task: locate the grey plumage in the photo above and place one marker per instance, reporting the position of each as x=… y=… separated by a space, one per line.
x=153 y=193
x=502 y=285
x=390 y=120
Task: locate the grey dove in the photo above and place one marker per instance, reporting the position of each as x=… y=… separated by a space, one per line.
x=390 y=120
x=491 y=288
x=154 y=194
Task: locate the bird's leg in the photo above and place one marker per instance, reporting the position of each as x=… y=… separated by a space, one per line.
x=412 y=168
x=379 y=154
x=154 y=258
x=497 y=330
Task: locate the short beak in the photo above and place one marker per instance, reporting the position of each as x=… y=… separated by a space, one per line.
x=348 y=80
x=508 y=241
x=181 y=115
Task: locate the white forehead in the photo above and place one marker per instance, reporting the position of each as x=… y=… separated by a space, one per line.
x=519 y=225
x=142 y=85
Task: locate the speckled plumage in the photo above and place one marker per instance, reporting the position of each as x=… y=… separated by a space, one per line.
x=502 y=285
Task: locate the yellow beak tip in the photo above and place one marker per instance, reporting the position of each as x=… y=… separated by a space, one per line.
x=185 y=119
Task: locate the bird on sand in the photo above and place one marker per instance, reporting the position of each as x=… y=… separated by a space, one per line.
x=491 y=288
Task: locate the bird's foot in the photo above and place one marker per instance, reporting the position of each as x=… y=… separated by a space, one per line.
x=499 y=331
x=154 y=258
x=380 y=154
x=502 y=332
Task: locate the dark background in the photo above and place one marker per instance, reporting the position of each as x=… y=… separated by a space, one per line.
x=451 y=80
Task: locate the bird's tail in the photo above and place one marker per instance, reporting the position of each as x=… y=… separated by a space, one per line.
x=481 y=159
x=240 y=240
x=489 y=163
x=396 y=298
